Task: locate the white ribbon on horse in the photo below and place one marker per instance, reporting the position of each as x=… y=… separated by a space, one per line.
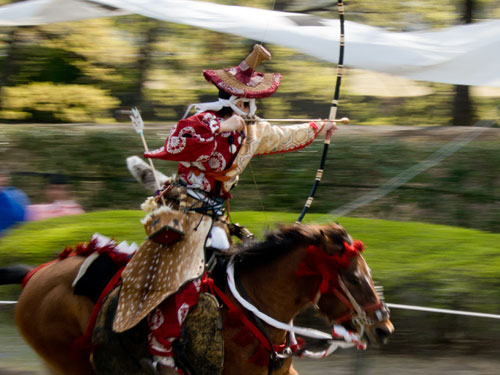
x=351 y=339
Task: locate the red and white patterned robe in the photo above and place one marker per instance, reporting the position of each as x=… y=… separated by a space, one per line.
x=212 y=161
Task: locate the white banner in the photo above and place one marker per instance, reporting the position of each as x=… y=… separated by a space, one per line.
x=467 y=55
x=42 y=12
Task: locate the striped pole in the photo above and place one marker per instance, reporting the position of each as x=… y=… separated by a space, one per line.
x=332 y=115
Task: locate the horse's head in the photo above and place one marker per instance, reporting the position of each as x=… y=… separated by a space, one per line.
x=346 y=293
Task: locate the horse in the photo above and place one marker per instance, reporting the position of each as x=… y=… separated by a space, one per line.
x=293 y=267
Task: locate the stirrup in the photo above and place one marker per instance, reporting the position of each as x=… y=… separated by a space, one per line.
x=240 y=232
x=148 y=366
x=200 y=349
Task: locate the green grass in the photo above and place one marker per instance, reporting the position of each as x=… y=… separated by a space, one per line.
x=441 y=264
x=36 y=242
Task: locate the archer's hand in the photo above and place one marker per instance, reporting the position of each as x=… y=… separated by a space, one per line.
x=328 y=125
x=233 y=123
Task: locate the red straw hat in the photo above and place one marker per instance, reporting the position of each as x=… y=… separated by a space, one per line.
x=242 y=80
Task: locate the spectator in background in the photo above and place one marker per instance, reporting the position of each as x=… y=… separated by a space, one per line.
x=13 y=203
x=58 y=192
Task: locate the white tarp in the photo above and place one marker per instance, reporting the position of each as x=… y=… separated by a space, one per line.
x=467 y=55
x=42 y=12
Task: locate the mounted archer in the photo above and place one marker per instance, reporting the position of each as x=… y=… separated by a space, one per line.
x=213 y=147
x=241 y=324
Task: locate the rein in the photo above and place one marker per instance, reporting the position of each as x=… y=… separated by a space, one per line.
x=316 y=263
x=338 y=334
x=267 y=354
x=308 y=332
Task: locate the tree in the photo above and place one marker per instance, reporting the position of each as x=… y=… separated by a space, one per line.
x=463 y=111
x=64 y=63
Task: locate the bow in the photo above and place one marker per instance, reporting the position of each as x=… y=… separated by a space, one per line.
x=331 y=117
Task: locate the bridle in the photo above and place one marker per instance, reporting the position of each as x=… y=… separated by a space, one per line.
x=358 y=314
x=317 y=262
x=339 y=337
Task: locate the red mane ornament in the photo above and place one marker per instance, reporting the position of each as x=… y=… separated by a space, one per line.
x=319 y=263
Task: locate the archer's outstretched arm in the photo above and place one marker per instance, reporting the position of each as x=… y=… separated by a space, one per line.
x=279 y=139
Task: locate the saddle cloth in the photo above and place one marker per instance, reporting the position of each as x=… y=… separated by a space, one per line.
x=157 y=271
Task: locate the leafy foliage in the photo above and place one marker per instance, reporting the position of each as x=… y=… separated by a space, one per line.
x=157 y=65
x=48 y=102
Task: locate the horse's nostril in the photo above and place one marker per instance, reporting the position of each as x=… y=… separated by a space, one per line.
x=382 y=335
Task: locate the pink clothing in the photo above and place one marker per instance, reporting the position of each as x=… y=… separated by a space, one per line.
x=55 y=209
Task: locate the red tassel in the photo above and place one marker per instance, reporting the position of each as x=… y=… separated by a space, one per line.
x=65 y=253
x=359 y=246
x=354 y=249
x=85 y=249
x=260 y=357
x=300 y=344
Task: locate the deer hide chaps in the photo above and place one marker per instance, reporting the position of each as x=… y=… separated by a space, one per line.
x=157 y=271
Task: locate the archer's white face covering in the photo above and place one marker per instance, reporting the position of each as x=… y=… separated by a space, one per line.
x=218 y=105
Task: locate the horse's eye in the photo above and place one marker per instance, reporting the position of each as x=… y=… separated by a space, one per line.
x=353 y=280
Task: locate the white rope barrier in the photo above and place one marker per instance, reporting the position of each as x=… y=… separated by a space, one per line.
x=443 y=311
x=396 y=306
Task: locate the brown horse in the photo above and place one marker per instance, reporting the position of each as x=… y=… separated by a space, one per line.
x=292 y=268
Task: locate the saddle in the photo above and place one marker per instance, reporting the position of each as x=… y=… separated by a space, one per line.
x=200 y=350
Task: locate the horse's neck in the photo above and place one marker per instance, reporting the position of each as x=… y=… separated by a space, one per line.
x=275 y=290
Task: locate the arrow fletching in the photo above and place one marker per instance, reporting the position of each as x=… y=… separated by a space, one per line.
x=137 y=122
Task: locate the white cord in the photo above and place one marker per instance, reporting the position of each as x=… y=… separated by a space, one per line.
x=443 y=311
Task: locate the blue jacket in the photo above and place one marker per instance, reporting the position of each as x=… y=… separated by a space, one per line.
x=13 y=204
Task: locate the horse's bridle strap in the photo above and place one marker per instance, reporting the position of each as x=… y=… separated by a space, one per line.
x=345 y=297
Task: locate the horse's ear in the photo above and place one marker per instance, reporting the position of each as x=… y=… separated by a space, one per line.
x=330 y=242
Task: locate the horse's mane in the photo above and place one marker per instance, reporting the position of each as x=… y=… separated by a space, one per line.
x=287 y=239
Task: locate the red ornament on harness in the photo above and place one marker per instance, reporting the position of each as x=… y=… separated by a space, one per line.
x=319 y=263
